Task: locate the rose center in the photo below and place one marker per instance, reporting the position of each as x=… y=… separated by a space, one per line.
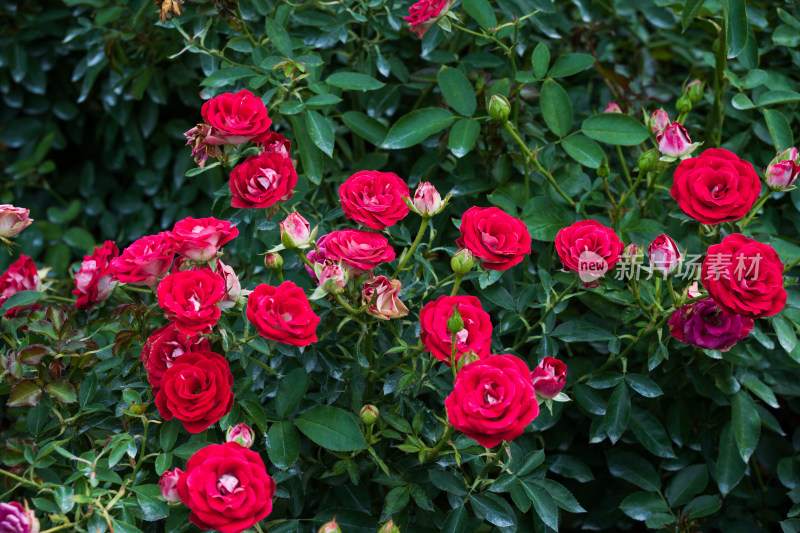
x=268 y=178
x=227 y=484
x=461 y=336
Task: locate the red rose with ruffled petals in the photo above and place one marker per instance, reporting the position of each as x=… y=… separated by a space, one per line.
x=425 y=13
x=715 y=186
x=196 y=390
x=189 y=298
x=493 y=399
x=360 y=250
x=374 y=199
x=588 y=248
x=476 y=335
x=199 y=239
x=227 y=488
x=144 y=261
x=262 y=181
x=283 y=314
x=274 y=143
x=163 y=348
x=499 y=240
x=549 y=377
x=235 y=118
x=20 y=276
x=94 y=282
x=744 y=277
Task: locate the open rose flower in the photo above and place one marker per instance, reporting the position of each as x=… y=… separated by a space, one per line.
x=274 y=143
x=94 y=282
x=744 y=276
x=144 y=261
x=715 y=186
x=283 y=314
x=374 y=199
x=13 y=220
x=425 y=13
x=14 y=518
x=360 y=250
x=199 y=239
x=493 y=399
x=262 y=181
x=497 y=239
x=588 y=248
x=383 y=295
x=235 y=118
x=227 y=488
x=20 y=276
x=476 y=336
x=163 y=348
x=196 y=390
x=704 y=324
x=189 y=298
x=549 y=377
x=168 y=483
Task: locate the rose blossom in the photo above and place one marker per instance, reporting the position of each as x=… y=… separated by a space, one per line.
x=144 y=261
x=189 y=298
x=658 y=121
x=427 y=200
x=476 y=335
x=703 y=324
x=241 y=434
x=744 y=276
x=383 y=297
x=13 y=220
x=374 y=199
x=196 y=390
x=233 y=289
x=493 y=399
x=168 y=483
x=199 y=239
x=94 y=282
x=262 y=181
x=497 y=239
x=295 y=231
x=236 y=118
x=425 y=13
x=283 y=314
x=227 y=488
x=664 y=255
x=612 y=107
x=163 y=348
x=549 y=377
x=20 y=276
x=14 y=518
x=359 y=250
x=588 y=248
x=674 y=142
x=715 y=186
x=274 y=143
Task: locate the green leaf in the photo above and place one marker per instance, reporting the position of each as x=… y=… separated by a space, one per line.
x=702 y=506
x=544 y=505
x=320 y=130
x=26 y=392
x=778 y=97
x=688 y=482
x=571 y=467
x=63 y=390
x=186 y=450
x=760 y=389
x=649 y=431
x=583 y=150
x=730 y=467
x=354 y=81
x=291 y=391
x=562 y=496
x=124 y=527
x=163 y=462
x=332 y=428
x=529 y=463
x=779 y=130
x=365 y=127
x=618 y=412
x=580 y=331
x=279 y=37
x=457 y=91
x=456 y=521
x=556 y=107
x=79 y=238
x=463 y=135
x=540 y=60
x=493 y=509
x=634 y=469
x=570 y=64
x=310 y=155
x=227 y=76
x=736 y=24
x=168 y=434
x=746 y=424
x=417 y=126
x=152 y=508
x=19 y=298
x=642 y=505
x=544 y=219
x=256 y=412
x=644 y=385
x=787 y=336
x=63 y=498
x=283 y=444
x=615 y=128
x=690 y=10
x=481 y=11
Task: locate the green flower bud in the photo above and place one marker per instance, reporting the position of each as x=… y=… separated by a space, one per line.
x=465 y=359
x=455 y=323
x=330 y=527
x=684 y=104
x=273 y=261
x=695 y=91
x=369 y=414
x=648 y=161
x=603 y=171
x=499 y=108
x=462 y=262
x=389 y=527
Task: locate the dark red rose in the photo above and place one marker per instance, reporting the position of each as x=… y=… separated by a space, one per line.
x=476 y=335
x=282 y=314
x=744 y=277
x=196 y=390
x=493 y=399
x=164 y=347
x=189 y=298
x=235 y=118
x=549 y=377
x=374 y=199
x=20 y=276
x=144 y=261
x=359 y=250
x=497 y=239
x=425 y=13
x=588 y=248
x=704 y=324
x=227 y=488
x=199 y=239
x=262 y=180
x=94 y=282
x=715 y=186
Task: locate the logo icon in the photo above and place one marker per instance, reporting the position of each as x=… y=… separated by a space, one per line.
x=591 y=266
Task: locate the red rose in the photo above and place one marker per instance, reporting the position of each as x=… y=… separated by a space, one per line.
x=476 y=335
x=94 y=282
x=196 y=390
x=549 y=377
x=199 y=239
x=236 y=118
x=282 y=314
x=164 y=347
x=589 y=248
x=360 y=250
x=744 y=277
x=144 y=261
x=227 y=488
x=499 y=240
x=274 y=143
x=715 y=186
x=20 y=276
x=493 y=399
x=425 y=13
x=262 y=180
x=374 y=199
x=189 y=298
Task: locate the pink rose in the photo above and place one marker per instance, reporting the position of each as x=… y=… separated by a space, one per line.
x=664 y=254
x=332 y=278
x=241 y=434
x=360 y=250
x=427 y=200
x=374 y=199
x=274 y=143
x=199 y=239
x=168 y=483
x=612 y=107
x=383 y=297
x=674 y=141
x=782 y=172
x=262 y=181
x=13 y=220
x=144 y=261
x=233 y=289
x=658 y=121
x=94 y=282
x=549 y=377
x=295 y=231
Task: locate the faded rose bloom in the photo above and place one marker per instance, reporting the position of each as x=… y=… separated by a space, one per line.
x=612 y=107
x=549 y=377
x=241 y=434
x=383 y=295
x=168 y=483
x=658 y=121
x=674 y=142
x=14 y=518
x=664 y=254
x=13 y=220
x=233 y=289
x=427 y=200
x=295 y=231
x=197 y=138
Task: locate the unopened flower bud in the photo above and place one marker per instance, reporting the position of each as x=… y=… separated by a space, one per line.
x=389 y=527
x=273 y=261
x=612 y=107
x=684 y=104
x=369 y=414
x=466 y=358
x=665 y=257
x=168 y=483
x=499 y=108
x=634 y=253
x=462 y=262
x=295 y=231
x=657 y=121
x=695 y=90
x=549 y=377
x=427 y=200
x=13 y=220
x=648 y=161
x=674 y=141
x=783 y=170
x=241 y=434
x=332 y=277
x=455 y=323
x=603 y=171
x=330 y=527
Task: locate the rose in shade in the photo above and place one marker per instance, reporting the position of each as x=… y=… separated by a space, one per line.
x=168 y=483
x=14 y=518
x=13 y=220
x=164 y=347
x=493 y=399
x=664 y=255
x=144 y=261
x=20 y=276
x=383 y=296
x=497 y=239
x=549 y=377
x=235 y=118
x=360 y=250
x=475 y=336
x=189 y=298
x=588 y=248
x=94 y=282
x=283 y=314
x=199 y=239
x=425 y=13
x=374 y=199
x=704 y=324
x=262 y=180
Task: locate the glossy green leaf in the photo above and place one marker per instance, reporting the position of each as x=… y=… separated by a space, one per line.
x=644 y=385
x=354 y=81
x=649 y=431
x=278 y=36
x=690 y=10
x=456 y=521
x=365 y=127
x=457 y=91
x=291 y=391
x=63 y=390
x=18 y=299
x=686 y=483
x=320 y=130
x=642 y=505
x=332 y=428
x=417 y=126
x=787 y=336
x=615 y=128
x=703 y=506
x=580 y=331
x=634 y=469
x=544 y=504
x=618 y=412
x=735 y=16
x=556 y=108
x=481 y=11
x=283 y=444
x=583 y=150
x=26 y=392
x=745 y=423
x=570 y=64
x=493 y=509
x=779 y=130
x=225 y=77
x=463 y=135
x=310 y=155
x=540 y=60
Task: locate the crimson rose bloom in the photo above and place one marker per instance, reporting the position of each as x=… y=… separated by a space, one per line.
x=493 y=399
x=425 y=13
x=164 y=347
x=94 y=282
x=589 y=248
x=199 y=239
x=549 y=377
x=476 y=335
x=274 y=143
x=144 y=261
x=360 y=250
x=189 y=299
x=262 y=180
x=236 y=118
x=715 y=186
x=499 y=240
x=227 y=488
x=704 y=324
x=744 y=277
x=196 y=390
x=20 y=276
x=282 y=314
x=374 y=199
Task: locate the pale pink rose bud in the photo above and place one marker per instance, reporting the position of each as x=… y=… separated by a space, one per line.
x=383 y=297
x=169 y=485
x=198 y=139
x=665 y=257
x=295 y=231
x=634 y=252
x=782 y=175
x=332 y=278
x=330 y=527
x=549 y=377
x=273 y=261
x=427 y=200
x=13 y=220
x=612 y=107
x=790 y=154
x=241 y=434
x=674 y=141
x=658 y=121
x=695 y=90
x=233 y=289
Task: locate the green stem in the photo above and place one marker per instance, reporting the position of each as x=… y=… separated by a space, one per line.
x=624 y=166
x=18 y=478
x=344 y=304
x=671 y=290
x=621 y=203
x=453 y=351
x=758 y=205
x=303 y=258
x=408 y=253
x=434 y=453
x=456 y=285
x=142 y=453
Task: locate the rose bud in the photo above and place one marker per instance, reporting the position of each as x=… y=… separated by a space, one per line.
x=612 y=107
x=648 y=161
x=468 y=357
x=14 y=518
x=549 y=377
x=13 y=220
x=499 y=108
x=169 y=485
x=369 y=414
x=295 y=231
x=695 y=90
x=674 y=142
x=332 y=277
x=782 y=172
x=233 y=289
x=462 y=262
x=383 y=297
x=634 y=253
x=241 y=434
x=694 y=291
x=330 y=527
x=427 y=200
x=665 y=257
x=684 y=104
x=389 y=527
x=273 y=261
x=657 y=121
x=455 y=323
